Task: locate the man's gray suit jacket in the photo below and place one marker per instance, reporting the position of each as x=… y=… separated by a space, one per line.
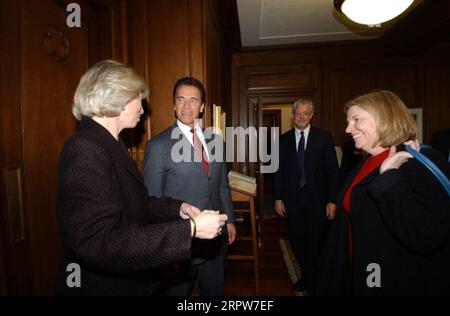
x=186 y=181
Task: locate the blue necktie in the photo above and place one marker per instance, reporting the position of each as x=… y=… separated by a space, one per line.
x=301 y=160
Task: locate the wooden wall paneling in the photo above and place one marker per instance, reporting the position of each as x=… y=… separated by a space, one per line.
x=253 y=111
x=228 y=86
x=218 y=56
x=242 y=118
x=100 y=34
x=228 y=23
x=421 y=102
x=437 y=98
x=3 y=286
x=327 y=116
x=169 y=57
x=346 y=81
x=236 y=97
x=135 y=19
x=48 y=87
x=298 y=77
x=197 y=38
x=213 y=60
x=227 y=39
x=137 y=36
x=398 y=76
x=316 y=94
x=310 y=53
x=288 y=81
x=15 y=267
x=175 y=49
x=236 y=74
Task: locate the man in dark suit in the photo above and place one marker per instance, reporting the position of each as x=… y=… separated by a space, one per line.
x=441 y=141
x=305 y=188
x=201 y=181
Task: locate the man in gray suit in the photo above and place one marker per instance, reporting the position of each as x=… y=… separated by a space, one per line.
x=200 y=181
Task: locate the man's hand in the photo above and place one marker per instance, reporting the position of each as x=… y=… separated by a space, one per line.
x=331 y=210
x=231 y=233
x=279 y=208
x=188 y=211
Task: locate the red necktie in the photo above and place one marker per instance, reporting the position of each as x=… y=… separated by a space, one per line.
x=199 y=149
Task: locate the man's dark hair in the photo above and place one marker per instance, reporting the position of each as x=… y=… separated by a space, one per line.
x=189 y=81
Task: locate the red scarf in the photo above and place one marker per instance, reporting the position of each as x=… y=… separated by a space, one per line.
x=368 y=167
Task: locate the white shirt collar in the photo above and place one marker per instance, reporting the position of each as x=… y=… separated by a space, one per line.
x=305 y=133
x=187 y=129
x=198 y=130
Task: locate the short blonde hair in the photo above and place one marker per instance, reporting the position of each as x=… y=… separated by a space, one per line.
x=106 y=88
x=395 y=125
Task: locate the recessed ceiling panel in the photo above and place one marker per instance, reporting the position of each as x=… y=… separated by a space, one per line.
x=278 y=22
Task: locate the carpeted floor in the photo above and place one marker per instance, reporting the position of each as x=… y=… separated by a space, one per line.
x=292 y=265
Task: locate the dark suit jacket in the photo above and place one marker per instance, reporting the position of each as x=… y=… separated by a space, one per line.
x=441 y=141
x=188 y=181
x=400 y=221
x=321 y=168
x=108 y=224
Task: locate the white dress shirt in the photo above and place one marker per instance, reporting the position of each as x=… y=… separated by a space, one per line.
x=198 y=130
x=298 y=135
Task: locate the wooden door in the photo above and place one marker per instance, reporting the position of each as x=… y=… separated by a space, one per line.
x=49 y=58
x=15 y=275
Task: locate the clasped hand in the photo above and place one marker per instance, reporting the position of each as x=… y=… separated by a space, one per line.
x=208 y=223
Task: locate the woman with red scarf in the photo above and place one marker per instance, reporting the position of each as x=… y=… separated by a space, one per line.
x=391 y=234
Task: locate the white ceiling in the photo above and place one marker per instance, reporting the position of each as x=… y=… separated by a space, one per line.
x=280 y=22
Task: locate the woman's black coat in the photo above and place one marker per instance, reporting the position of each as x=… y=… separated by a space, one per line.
x=108 y=224
x=400 y=222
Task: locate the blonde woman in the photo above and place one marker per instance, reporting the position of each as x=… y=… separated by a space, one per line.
x=391 y=235
x=109 y=226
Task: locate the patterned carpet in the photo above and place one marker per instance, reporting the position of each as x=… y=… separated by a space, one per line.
x=292 y=265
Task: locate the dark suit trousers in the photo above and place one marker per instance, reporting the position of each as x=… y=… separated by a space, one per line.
x=207 y=270
x=308 y=227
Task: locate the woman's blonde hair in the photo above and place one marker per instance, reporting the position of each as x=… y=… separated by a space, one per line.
x=106 y=88
x=395 y=125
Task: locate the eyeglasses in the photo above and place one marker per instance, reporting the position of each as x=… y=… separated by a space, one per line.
x=183 y=100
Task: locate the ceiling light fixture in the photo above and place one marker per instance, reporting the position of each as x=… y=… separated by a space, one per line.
x=372 y=12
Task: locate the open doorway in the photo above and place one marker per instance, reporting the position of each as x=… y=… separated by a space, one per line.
x=274 y=115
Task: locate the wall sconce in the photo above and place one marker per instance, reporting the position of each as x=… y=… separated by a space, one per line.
x=372 y=12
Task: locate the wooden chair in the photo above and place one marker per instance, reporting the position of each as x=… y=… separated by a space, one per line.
x=240 y=196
